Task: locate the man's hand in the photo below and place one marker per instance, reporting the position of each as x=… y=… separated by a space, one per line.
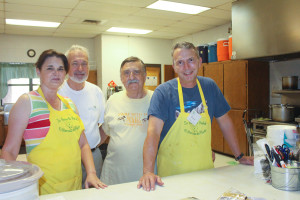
x=247 y=160
x=148 y=181
x=93 y=180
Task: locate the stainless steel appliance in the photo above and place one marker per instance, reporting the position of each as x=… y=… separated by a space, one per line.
x=266 y=29
x=259 y=129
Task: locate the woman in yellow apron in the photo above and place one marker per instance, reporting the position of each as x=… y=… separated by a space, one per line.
x=53 y=132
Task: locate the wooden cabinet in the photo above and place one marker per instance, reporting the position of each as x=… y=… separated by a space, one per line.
x=245 y=85
x=92 y=77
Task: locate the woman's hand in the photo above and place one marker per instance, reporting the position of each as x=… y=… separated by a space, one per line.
x=94 y=181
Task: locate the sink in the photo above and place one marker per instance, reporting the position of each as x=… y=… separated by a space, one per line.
x=6 y=109
x=6 y=115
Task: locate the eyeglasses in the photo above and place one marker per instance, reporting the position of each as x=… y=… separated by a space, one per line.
x=128 y=72
x=76 y=64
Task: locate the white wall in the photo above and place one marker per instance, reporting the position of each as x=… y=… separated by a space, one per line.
x=204 y=37
x=13 y=48
x=116 y=48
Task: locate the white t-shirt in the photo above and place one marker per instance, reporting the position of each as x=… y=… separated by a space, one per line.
x=90 y=104
x=126 y=122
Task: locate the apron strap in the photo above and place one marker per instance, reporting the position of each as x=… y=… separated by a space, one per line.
x=181 y=102
x=40 y=91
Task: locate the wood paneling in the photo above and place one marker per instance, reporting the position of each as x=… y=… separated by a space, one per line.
x=92 y=77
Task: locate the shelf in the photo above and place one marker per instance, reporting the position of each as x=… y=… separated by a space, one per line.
x=286 y=91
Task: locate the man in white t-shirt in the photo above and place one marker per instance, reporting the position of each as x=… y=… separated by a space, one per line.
x=126 y=122
x=88 y=99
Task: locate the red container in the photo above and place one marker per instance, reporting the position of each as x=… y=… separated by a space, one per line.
x=230 y=46
x=222 y=50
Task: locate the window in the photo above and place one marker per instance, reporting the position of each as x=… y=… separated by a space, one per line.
x=19 y=86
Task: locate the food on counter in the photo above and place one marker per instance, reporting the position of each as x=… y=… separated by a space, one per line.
x=233 y=194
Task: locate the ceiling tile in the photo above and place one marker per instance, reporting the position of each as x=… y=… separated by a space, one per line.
x=52 y=3
x=205 y=3
x=31 y=16
x=105 y=7
x=119 y=13
x=217 y=13
x=206 y=20
x=158 y=14
x=36 y=9
x=137 y=3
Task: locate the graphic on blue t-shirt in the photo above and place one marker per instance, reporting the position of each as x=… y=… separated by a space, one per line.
x=189 y=106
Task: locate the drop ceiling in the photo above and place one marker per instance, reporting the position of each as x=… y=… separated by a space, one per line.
x=110 y=13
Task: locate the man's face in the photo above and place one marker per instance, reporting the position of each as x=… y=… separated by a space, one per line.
x=79 y=66
x=186 y=64
x=133 y=77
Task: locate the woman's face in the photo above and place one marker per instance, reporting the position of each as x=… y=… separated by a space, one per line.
x=52 y=73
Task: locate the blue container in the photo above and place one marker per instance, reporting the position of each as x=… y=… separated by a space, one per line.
x=203 y=52
x=212 y=52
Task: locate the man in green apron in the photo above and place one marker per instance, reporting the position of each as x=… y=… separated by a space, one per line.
x=180 y=116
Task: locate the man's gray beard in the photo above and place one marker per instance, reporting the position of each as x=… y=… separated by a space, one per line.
x=77 y=80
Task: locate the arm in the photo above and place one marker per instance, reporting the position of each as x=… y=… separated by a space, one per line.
x=88 y=162
x=148 y=180
x=230 y=136
x=17 y=123
x=103 y=135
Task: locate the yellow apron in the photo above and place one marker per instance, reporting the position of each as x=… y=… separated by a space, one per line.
x=59 y=154
x=186 y=147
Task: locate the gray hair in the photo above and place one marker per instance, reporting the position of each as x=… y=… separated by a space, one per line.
x=77 y=47
x=185 y=45
x=133 y=59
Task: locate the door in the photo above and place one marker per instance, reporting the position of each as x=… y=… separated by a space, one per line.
x=153 y=78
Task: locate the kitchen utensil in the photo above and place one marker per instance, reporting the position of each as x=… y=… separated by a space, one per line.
x=285 y=178
x=269 y=152
x=290 y=82
x=282 y=112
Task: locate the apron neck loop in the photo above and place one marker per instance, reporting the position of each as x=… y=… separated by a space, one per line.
x=181 y=102
x=40 y=91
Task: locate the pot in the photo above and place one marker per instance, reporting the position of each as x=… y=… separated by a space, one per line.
x=282 y=112
x=19 y=180
x=290 y=82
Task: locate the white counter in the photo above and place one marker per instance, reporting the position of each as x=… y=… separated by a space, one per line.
x=205 y=185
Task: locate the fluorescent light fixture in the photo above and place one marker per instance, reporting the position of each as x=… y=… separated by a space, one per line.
x=31 y=23
x=177 y=7
x=128 y=30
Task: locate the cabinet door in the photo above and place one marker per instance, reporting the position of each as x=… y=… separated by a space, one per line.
x=216 y=137
x=235 y=84
x=237 y=119
x=92 y=77
x=215 y=72
x=201 y=70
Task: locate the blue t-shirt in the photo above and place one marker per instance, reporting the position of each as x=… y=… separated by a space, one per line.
x=165 y=101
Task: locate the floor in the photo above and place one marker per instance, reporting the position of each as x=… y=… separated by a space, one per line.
x=220 y=161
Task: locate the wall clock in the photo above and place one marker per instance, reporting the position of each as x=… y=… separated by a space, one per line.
x=31 y=53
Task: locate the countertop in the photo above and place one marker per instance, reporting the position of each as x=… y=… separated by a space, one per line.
x=204 y=185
